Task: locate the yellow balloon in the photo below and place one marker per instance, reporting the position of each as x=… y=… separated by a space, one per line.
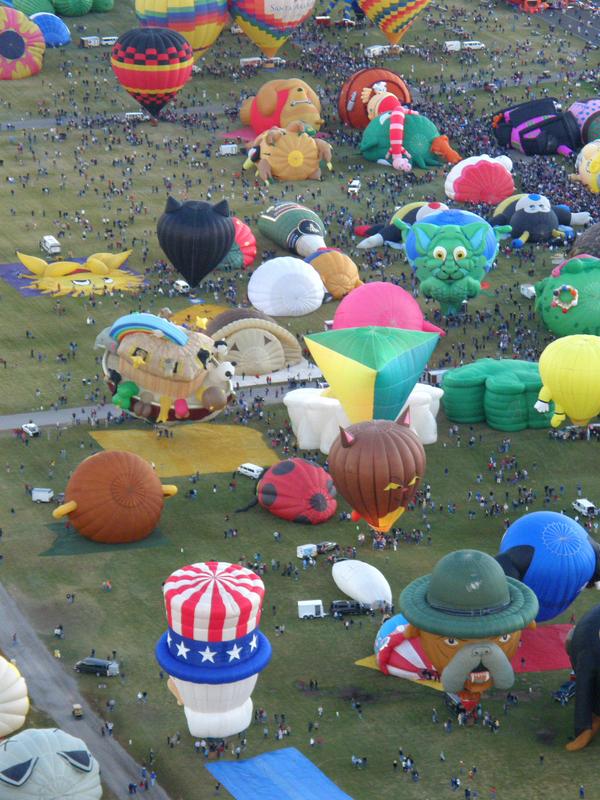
x=570 y=372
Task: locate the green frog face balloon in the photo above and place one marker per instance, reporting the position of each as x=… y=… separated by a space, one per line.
x=450 y=252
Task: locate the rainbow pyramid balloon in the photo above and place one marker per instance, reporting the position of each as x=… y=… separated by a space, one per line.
x=371 y=370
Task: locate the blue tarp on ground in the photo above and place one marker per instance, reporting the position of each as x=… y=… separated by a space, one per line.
x=281 y=775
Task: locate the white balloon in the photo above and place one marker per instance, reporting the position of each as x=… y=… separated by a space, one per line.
x=48 y=763
x=286 y=287
x=216 y=710
x=316 y=419
x=14 y=702
x=362 y=582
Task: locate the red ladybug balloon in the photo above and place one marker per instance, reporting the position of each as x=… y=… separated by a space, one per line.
x=299 y=491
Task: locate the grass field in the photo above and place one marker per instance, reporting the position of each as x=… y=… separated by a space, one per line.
x=41 y=563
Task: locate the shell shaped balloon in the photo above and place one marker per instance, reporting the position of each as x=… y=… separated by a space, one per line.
x=152 y=65
x=351 y=109
x=299 y=491
x=200 y=21
x=337 y=270
x=393 y=17
x=286 y=287
x=22 y=45
x=113 y=497
x=570 y=372
x=47 y=763
x=480 y=179
x=376 y=466
x=269 y=23
x=14 y=700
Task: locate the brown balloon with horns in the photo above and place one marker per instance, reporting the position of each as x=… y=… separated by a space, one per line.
x=376 y=466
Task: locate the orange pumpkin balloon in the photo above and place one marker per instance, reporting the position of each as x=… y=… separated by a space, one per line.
x=114 y=497
x=352 y=110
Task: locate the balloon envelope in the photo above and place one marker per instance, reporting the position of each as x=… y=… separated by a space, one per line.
x=384 y=305
x=299 y=491
x=14 y=702
x=362 y=582
x=269 y=23
x=393 y=17
x=54 y=30
x=286 y=287
x=200 y=21
x=570 y=372
x=22 y=45
x=152 y=65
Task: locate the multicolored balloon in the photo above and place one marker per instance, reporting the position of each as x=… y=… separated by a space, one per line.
x=200 y=21
x=152 y=65
x=393 y=17
x=22 y=45
x=269 y=23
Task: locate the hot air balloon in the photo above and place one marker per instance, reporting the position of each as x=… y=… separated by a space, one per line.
x=195 y=236
x=267 y=24
x=570 y=372
x=337 y=270
x=114 y=497
x=371 y=371
x=243 y=250
x=22 y=45
x=200 y=21
x=29 y=7
x=72 y=8
x=14 y=702
x=46 y=763
x=56 y=33
x=393 y=17
x=376 y=466
x=351 y=108
x=286 y=287
x=152 y=65
x=297 y=490
x=553 y=555
x=382 y=304
x=362 y=582
x=213 y=650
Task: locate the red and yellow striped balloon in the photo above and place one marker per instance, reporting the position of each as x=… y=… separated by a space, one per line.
x=152 y=65
x=393 y=17
x=269 y=23
x=200 y=21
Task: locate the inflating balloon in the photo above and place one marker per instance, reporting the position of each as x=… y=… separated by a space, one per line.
x=371 y=371
x=538 y=127
x=199 y=21
x=390 y=234
x=152 y=65
x=243 y=250
x=480 y=179
x=499 y=392
x=195 y=236
x=583 y=648
x=286 y=287
x=281 y=102
x=568 y=300
x=469 y=617
x=213 y=650
x=22 y=45
x=72 y=8
x=337 y=270
x=351 y=108
x=299 y=491
x=533 y=218
x=450 y=253
x=293 y=227
x=362 y=582
x=54 y=30
x=553 y=555
x=289 y=154
x=268 y=24
x=570 y=372
x=376 y=466
x=587 y=167
x=114 y=497
x=14 y=699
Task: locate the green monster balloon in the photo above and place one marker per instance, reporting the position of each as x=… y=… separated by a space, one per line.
x=500 y=392
x=568 y=300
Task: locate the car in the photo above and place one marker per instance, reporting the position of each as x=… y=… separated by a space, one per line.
x=181 y=286
x=98 y=666
x=31 y=429
x=344 y=608
x=565 y=692
x=326 y=547
x=584 y=507
x=251 y=471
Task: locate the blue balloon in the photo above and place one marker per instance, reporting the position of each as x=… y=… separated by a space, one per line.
x=54 y=30
x=553 y=555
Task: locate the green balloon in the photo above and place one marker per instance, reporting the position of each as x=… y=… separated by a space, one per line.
x=102 y=6
x=500 y=392
x=569 y=301
x=72 y=8
x=30 y=7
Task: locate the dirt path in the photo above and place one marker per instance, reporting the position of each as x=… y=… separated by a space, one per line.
x=53 y=690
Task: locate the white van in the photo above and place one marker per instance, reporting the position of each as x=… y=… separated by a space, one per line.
x=135 y=116
x=310 y=609
x=108 y=40
x=255 y=61
x=376 y=50
x=50 y=245
x=228 y=150
x=306 y=551
x=584 y=507
x=251 y=471
x=473 y=45
x=181 y=286
x=40 y=495
x=452 y=47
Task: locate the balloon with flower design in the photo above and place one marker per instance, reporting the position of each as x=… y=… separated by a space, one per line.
x=22 y=45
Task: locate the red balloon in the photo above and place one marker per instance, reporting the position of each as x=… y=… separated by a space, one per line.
x=352 y=110
x=299 y=491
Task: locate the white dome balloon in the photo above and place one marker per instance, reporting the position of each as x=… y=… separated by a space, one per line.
x=47 y=763
x=362 y=582
x=286 y=287
x=14 y=702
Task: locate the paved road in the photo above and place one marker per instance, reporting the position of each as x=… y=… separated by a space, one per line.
x=53 y=690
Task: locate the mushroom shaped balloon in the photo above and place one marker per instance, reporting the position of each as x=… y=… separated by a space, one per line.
x=114 y=497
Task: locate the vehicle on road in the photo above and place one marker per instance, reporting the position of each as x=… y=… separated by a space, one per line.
x=31 y=429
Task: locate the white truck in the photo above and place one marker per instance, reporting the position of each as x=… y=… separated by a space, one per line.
x=50 y=245
x=311 y=609
x=41 y=495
